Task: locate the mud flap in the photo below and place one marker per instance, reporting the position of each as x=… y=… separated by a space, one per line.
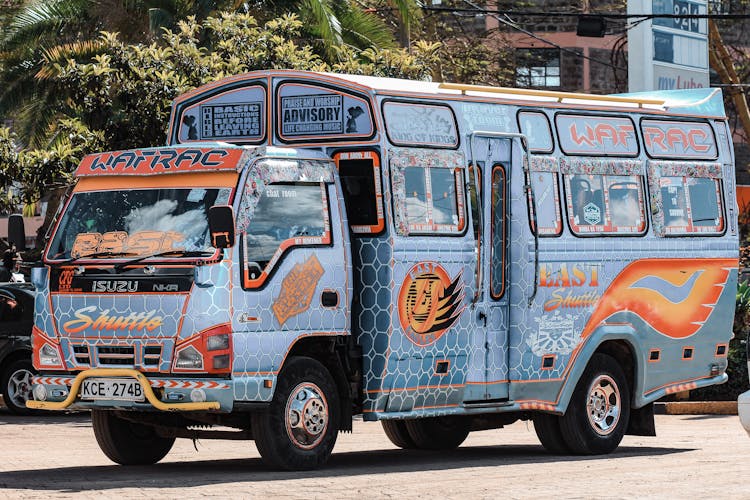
x=642 y=421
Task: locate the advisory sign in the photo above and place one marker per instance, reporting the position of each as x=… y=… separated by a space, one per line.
x=312 y=115
x=305 y=111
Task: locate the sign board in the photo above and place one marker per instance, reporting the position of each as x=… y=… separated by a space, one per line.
x=160 y=161
x=310 y=112
x=668 y=53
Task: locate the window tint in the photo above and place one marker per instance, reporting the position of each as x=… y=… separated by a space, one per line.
x=360 y=182
x=605 y=204
x=497 y=270
x=546 y=203
x=535 y=126
x=428 y=200
x=286 y=214
x=691 y=205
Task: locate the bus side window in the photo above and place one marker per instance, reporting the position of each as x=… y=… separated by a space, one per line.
x=691 y=205
x=547 y=203
x=602 y=204
x=360 y=183
x=429 y=200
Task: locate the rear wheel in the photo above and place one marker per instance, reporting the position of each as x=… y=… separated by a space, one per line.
x=547 y=427
x=126 y=442
x=599 y=409
x=16 y=386
x=299 y=429
x=438 y=433
x=397 y=432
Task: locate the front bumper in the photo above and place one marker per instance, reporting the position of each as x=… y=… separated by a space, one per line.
x=61 y=393
x=743 y=408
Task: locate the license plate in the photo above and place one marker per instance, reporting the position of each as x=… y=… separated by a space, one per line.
x=120 y=389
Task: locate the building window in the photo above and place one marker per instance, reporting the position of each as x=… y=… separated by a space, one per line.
x=538 y=67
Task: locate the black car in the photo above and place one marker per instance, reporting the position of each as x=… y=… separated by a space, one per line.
x=16 y=320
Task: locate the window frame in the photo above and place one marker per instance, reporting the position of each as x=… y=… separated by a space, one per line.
x=498 y=167
x=605 y=168
x=326 y=240
x=401 y=213
x=549 y=130
x=542 y=165
x=367 y=230
x=657 y=169
x=520 y=58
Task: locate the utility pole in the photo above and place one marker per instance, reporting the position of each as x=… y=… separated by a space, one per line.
x=722 y=63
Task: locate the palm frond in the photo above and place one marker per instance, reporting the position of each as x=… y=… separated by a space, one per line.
x=43 y=18
x=363 y=29
x=322 y=21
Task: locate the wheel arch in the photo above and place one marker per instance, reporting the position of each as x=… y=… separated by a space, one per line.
x=621 y=343
x=329 y=350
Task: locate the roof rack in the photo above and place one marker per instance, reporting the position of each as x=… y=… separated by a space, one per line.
x=559 y=96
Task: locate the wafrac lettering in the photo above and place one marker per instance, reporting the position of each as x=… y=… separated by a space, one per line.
x=158 y=161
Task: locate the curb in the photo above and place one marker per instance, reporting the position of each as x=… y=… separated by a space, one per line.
x=696 y=408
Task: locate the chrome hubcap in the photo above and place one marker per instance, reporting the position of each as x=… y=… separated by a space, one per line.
x=19 y=388
x=306 y=415
x=603 y=406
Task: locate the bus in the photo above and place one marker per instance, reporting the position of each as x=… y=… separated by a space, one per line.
x=443 y=258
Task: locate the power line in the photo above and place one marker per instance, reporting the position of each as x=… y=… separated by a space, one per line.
x=507 y=21
x=479 y=10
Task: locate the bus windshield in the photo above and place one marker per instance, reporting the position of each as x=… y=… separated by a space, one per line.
x=137 y=222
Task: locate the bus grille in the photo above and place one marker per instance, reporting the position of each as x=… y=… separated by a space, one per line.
x=116 y=356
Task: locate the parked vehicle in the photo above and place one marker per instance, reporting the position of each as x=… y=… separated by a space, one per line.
x=743 y=402
x=441 y=258
x=16 y=321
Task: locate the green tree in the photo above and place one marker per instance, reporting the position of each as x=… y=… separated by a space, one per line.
x=124 y=91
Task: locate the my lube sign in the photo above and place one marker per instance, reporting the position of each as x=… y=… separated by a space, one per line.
x=668 y=53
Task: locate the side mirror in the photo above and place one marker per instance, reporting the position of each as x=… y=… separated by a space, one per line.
x=17 y=232
x=221 y=226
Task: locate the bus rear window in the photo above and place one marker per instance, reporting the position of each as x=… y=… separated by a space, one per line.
x=691 y=205
x=601 y=204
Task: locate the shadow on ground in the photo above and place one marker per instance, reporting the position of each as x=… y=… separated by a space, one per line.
x=350 y=464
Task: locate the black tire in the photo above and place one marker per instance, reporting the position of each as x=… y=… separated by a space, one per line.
x=589 y=428
x=438 y=433
x=398 y=434
x=547 y=427
x=128 y=443
x=300 y=438
x=16 y=386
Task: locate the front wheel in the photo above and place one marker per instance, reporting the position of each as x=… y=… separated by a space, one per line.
x=599 y=409
x=128 y=443
x=299 y=429
x=16 y=386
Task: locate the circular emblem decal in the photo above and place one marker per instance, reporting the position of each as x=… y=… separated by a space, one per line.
x=429 y=302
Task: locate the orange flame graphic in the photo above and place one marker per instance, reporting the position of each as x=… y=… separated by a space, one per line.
x=674 y=296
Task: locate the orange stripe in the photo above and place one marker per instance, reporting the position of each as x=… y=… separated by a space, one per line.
x=206 y=180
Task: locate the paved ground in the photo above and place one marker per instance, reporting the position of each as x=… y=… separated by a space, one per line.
x=692 y=457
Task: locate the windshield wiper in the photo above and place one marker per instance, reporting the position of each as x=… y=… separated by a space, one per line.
x=168 y=253
x=95 y=255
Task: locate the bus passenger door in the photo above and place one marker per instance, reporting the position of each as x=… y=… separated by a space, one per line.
x=488 y=376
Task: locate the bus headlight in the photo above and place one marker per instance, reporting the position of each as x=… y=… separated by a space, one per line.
x=49 y=356
x=189 y=359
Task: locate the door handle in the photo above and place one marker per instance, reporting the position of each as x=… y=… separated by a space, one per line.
x=329 y=298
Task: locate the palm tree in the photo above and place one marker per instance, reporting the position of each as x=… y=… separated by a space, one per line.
x=42 y=32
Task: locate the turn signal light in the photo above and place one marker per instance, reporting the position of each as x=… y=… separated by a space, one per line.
x=47 y=355
x=208 y=352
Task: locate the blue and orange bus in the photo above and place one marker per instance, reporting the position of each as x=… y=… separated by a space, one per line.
x=441 y=258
